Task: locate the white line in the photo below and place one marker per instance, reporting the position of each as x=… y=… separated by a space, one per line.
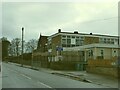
x=12 y=70
x=25 y=76
x=44 y=84
x=21 y=74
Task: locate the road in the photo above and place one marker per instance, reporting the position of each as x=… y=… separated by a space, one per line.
x=0 y=80
x=19 y=77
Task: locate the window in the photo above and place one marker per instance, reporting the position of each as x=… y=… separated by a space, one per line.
x=101 y=40
x=81 y=38
x=68 y=36
x=63 y=41
x=77 y=42
x=112 y=41
x=81 y=43
x=69 y=41
x=73 y=45
x=108 y=40
x=102 y=54
x=90 y=53
x=73 y=36
x=63 y=36
x=63 y=45
x=68 y=45
x=116 y=41
x=104 y=40
x=73 y=41
x=114 y=53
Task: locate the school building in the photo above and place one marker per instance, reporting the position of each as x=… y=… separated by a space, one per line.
x=77 y=51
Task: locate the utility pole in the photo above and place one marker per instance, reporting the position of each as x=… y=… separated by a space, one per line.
x=22 y=45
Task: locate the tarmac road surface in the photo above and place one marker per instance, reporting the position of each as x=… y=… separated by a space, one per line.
x=18 y=77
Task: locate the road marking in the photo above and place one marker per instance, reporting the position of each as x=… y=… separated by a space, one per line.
x=21 y=74
x=26 y=76
x=31 y=78
x=12 y=70
x=44 y=84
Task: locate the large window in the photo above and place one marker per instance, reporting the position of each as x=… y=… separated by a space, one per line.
x=90 y=53
x=64 y=41
x=116 y=41
x=73 y=41
x=68 y=36
x=112 y=41
x=105 y=40
x=73 y=36
x=81 y=42
x=102 y=54
x=101 y=40
x=77 y=42
x=108 y=41
x=69 y=41
x=63 y=36
x=81 y=38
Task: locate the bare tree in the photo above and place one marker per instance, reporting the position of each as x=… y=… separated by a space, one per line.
x=30 y=45
x=14 y=48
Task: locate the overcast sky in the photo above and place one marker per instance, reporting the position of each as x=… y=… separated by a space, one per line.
x=47 y=17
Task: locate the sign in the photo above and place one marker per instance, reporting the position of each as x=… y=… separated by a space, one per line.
x=73 y=41
x=59 y=48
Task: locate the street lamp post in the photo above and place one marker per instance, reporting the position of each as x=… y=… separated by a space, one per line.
x=22 y=44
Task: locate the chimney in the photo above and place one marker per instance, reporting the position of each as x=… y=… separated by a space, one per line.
x=59 y=30
x=90 y=33
x=76 y=32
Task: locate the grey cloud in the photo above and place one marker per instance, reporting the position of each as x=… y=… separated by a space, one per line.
x=46 y=18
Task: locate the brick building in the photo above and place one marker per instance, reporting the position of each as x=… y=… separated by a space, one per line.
x=76 y=50
x=5 y=45
x=39 y=56
x=99 y=58
x=82 y=45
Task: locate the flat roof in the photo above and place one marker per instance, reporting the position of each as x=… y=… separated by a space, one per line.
x=72 y=33
x=90 y=46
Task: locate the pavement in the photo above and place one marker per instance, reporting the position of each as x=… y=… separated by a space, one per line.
x=0 y=80
x=83 y=76
x=0 y=76
x=108 y=81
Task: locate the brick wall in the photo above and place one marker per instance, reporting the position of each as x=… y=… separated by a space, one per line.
x=105 y=67
x=42 y=44
x=55 y=42
x=113 y=71
x=90 y=40
x=101 y=63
